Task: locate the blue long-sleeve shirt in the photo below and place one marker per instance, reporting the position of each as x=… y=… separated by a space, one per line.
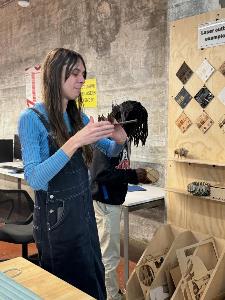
x=39 y=167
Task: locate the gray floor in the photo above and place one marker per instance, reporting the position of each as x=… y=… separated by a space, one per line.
x=143 y=224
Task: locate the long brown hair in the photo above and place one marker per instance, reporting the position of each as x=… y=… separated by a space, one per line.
x=52 y=69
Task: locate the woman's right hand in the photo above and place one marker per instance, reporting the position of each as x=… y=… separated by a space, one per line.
x=91 y=133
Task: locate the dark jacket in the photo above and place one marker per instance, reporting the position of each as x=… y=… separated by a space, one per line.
x=110 y=178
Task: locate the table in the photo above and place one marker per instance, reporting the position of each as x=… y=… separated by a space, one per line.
x=41 y=282
x=9 y=172
x=153 y=196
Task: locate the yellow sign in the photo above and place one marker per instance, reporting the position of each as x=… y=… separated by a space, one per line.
x=89 y=93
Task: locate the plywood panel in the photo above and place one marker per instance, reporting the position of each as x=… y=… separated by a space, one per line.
x=217 y=282
x=195 y=213
x=211 y=145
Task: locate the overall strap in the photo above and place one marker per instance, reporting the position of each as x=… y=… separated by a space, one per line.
x=46 y=125
x=42 y=119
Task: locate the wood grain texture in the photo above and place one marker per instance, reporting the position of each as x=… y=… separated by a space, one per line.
x=41 y=282
x=206 y=156
x=195 y=213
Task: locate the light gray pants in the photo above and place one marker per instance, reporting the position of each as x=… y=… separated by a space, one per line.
x=108 y=223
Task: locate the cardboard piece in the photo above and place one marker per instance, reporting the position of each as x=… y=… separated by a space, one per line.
x=176 y=275
x=197 y=263
x=220 y=297
x=170 y=283
x=183 y=239
x=152 y=260
x=216 y=285
x=201 y=279
x=160 y=243
x=205 y=250
x=147 y=270
x=197 y=287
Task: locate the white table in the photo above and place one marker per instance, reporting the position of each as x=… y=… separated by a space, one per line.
x=9 y=172
x=152 y=197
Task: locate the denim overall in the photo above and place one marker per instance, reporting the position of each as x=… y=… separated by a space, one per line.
x=65 y=229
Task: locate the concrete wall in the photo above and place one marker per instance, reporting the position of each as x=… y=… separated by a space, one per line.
x=125 y=44
x=179 y=9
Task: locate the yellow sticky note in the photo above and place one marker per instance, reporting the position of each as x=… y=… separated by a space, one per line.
x=89 y=93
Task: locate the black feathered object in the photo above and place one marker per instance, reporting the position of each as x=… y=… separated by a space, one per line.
x=131 y=110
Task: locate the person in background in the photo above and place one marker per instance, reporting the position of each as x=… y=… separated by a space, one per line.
x=109 y=185
x=56 y=140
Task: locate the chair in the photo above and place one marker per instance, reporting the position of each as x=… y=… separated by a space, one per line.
x=16 y=218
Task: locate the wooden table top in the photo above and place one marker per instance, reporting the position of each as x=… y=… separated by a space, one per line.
x=41 y=282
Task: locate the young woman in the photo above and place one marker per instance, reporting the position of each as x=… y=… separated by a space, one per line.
x=55 y=138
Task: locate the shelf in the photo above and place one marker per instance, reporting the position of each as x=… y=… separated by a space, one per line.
x=197 y=161
x=183 y=192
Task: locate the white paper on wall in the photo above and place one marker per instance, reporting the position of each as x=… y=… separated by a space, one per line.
x=205 y=70
x=221 y=96
x=211 y=34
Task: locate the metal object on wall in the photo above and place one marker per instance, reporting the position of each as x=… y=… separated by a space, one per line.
x=222 y=68
x=204 y=96
x=183 y=98
x=204 y=122
x=183 y=122
x=184 y=73
x=199 y=188
x=222 y=123
x=205 y=70
x=181 y=152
